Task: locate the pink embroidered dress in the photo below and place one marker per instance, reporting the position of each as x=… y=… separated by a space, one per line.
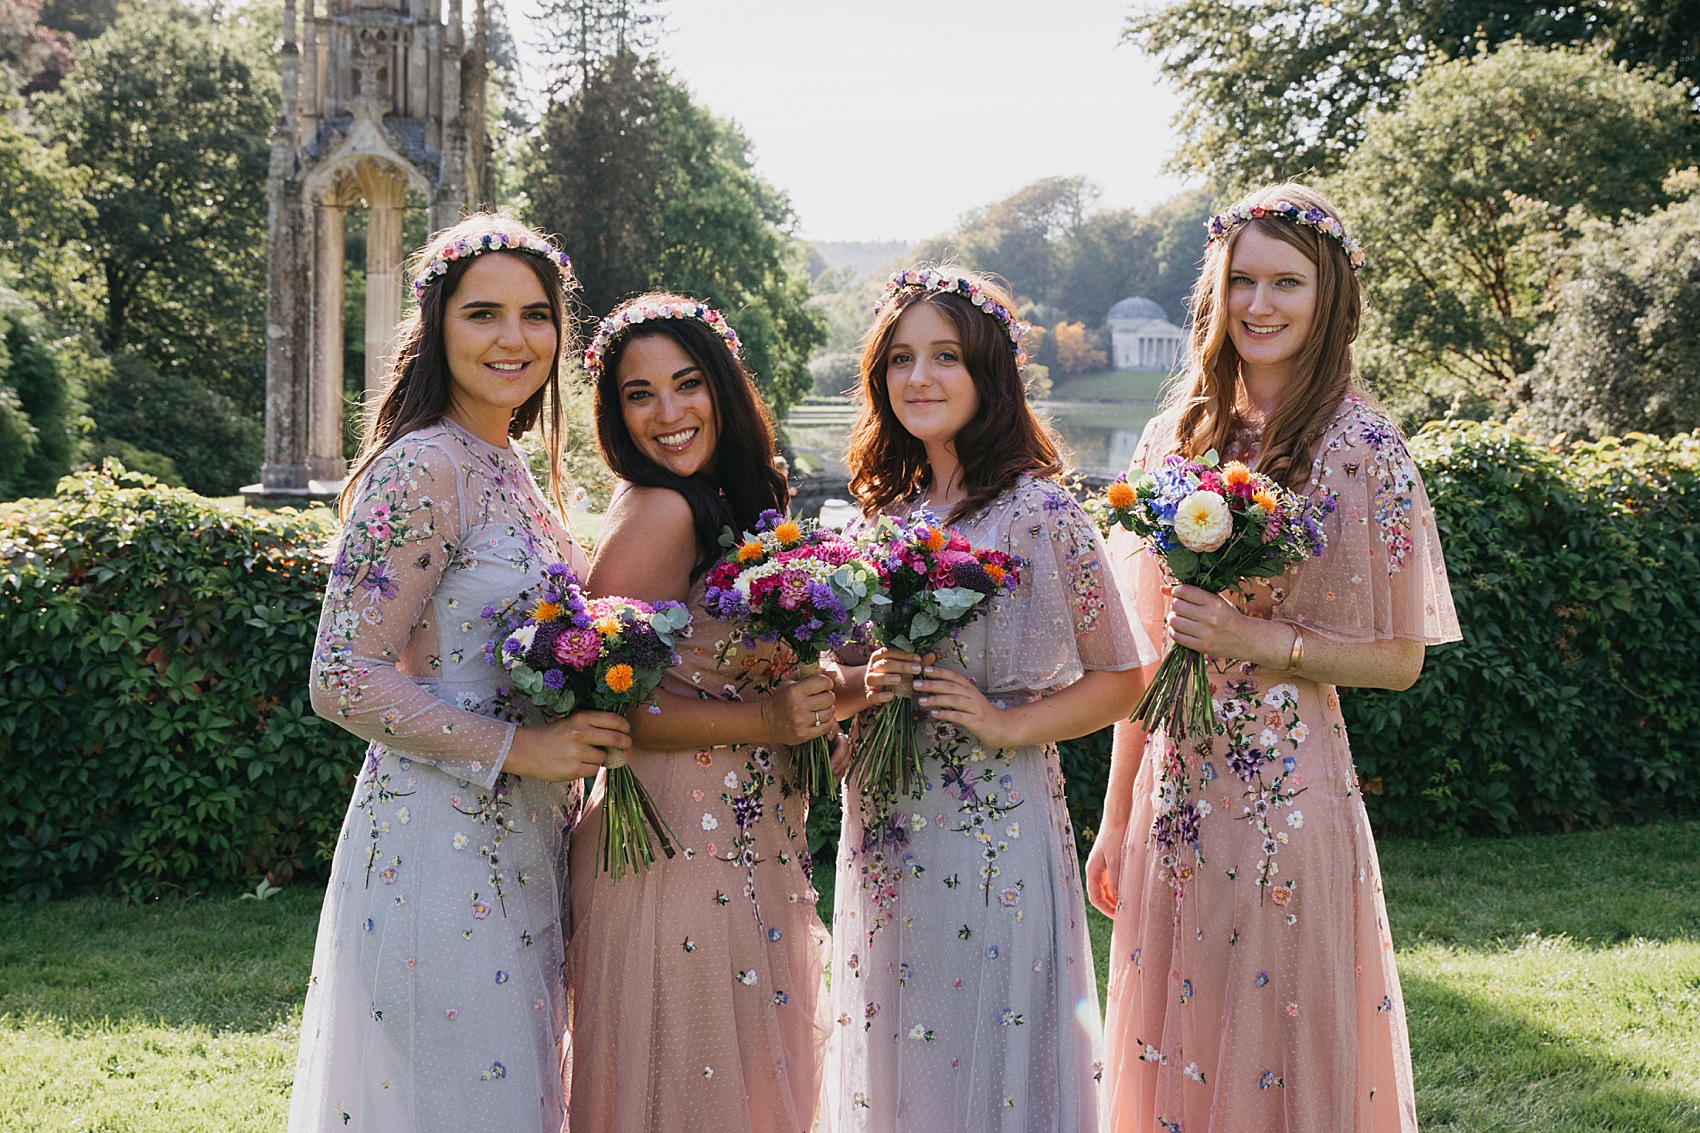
x=698 y=992
x=1252 y=982
x=963 y=991
x=437 y=1000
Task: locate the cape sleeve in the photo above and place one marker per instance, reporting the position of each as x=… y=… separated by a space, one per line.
x=396 y=544
x=1066 y=615
x=1382 y=574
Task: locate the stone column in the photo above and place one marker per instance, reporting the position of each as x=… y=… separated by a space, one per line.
x=329 y=223
x=386 y=197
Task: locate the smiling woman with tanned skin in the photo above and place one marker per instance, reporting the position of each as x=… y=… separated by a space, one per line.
x=697 y=986
x=1252 y=983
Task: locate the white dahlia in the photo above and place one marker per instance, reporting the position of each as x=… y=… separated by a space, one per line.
x=1203 y=522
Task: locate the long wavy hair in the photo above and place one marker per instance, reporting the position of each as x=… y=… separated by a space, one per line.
x=1324 y=373
x=739 y=481
x=1003 y=439
x=420 y=385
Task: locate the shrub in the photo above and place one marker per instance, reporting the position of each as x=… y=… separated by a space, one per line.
x=209 y=441
x=153 y=660
x=1570 y=700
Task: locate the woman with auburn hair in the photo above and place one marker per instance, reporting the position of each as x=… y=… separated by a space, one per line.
x=697 y=986
x=437 y=1000
x=1252 y=983
x=962 y=980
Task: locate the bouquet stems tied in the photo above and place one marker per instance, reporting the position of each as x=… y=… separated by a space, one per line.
x=629 y=818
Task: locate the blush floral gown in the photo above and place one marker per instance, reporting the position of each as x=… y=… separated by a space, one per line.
x=437 y=1000
x=1252 y=982
x=963 y=991
x=698 y=990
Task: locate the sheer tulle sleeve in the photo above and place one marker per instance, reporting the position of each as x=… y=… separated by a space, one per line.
x=1067 y=615
x=1382 y=575
x=396 y=544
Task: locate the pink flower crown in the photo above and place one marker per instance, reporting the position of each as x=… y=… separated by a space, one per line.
x=1218 y=227
x=492 y=242
x=927 y=279
x=609 y=328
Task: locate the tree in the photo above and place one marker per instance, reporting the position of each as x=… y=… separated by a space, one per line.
x=1622 y=352
x=584 y=33
x=41 y=407
x=1076 y=352
x=1286 y=88
x=42 y=217
x=649 y=190
x=1019 y=236
x=32 y=56
x=170 y=115
x=1112 y=255
x=1467 y=193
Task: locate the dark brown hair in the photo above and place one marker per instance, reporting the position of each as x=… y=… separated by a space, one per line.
x=420 y=385
x=1003 y=440
x=739 y=481
x=1324 y=372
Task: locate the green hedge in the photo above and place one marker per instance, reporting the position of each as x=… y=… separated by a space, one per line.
x=157 y=734
x=1572 y=700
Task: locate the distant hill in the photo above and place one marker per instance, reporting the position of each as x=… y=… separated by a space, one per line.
x=866 y=257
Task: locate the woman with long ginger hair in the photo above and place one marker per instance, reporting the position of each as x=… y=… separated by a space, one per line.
x=1252 y=983
x=962 y=978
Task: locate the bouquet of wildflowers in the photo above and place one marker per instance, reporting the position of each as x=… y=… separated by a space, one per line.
x=796 y=582
x=1212 y=528
x=936 y=583
x=568 y=652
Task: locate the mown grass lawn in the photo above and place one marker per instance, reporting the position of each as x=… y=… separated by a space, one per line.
x=1552 y=984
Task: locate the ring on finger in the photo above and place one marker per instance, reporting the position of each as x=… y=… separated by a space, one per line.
x=817 y=719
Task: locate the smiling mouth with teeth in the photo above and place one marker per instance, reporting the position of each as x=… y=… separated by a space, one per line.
x=508 y=367
x=678 y=438
x=1265 y=331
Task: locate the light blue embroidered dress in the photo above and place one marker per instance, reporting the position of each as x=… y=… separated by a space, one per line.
x=437 y=1000
x=963 y=991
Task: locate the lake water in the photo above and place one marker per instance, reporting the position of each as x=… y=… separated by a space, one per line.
x=1100 y=436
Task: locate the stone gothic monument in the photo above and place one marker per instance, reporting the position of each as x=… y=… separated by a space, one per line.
x=383 y=100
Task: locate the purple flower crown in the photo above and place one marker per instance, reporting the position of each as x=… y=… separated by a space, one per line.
x=609 y=328
x=928 y=279
x=1218 y=227
x=492 y=242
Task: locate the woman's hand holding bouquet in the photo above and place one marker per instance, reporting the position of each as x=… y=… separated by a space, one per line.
x=795 y=582
x=936 y=583
x=567 y=652
x=1212 y=528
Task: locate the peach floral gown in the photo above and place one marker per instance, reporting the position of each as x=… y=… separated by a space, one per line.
x=437 y=1000
x=1252 y=984
x=698 y=993
x=963 y=991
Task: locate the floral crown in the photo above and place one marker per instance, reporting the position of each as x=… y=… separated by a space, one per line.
x=1218 y=227
x=927 y=279
x=609 y=328
x=491 y=242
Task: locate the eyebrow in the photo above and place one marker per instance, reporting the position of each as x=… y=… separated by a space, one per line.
x=489 y=303
x=693 y=368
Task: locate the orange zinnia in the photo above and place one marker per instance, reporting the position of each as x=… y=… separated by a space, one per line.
x=1120 y=494
x=788 y=532
x=1234 y=474
x=750 y=552
x=993 y=571
x=546 y=611
x=608 y=625
x=1264 y=500
x=935 y=539
x=619 y=678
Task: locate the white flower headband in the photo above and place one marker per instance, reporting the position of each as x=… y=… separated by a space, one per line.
x=927 y=279
x=609 y=328
x=1218 y=227
x=492 y=242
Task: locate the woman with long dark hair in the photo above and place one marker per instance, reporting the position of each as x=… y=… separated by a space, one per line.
x=962 y=978
x=697 y=986
x=437 y=1000
x=1252 y=983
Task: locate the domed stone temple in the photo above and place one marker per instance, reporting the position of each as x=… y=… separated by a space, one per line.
x=382 y=109
x=1142 y=337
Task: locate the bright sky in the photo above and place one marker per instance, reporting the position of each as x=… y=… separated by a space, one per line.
x=888 y=119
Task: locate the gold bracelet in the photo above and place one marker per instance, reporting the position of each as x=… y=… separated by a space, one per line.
x=1297 y=656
